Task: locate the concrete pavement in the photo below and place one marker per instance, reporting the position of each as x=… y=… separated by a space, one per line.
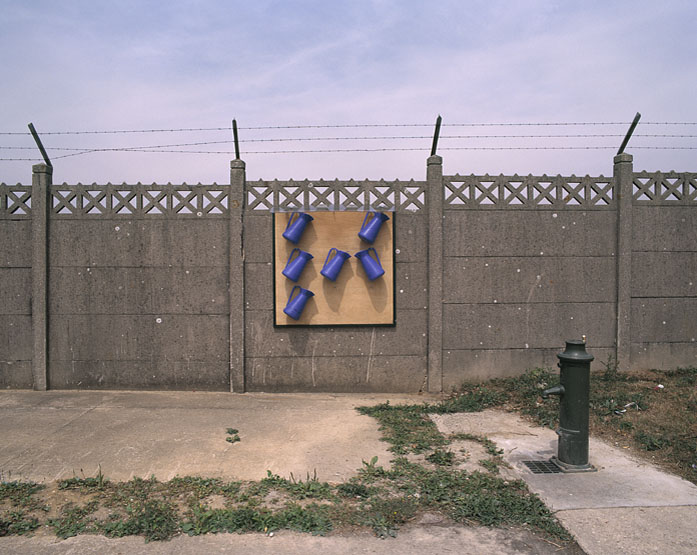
x=627 y=505
x=60 y=434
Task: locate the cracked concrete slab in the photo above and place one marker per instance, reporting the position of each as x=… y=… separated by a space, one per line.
x=53 y=435
x=636 y=530
x=628 y=504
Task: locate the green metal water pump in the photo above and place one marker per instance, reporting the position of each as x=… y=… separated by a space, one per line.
x=573 y=391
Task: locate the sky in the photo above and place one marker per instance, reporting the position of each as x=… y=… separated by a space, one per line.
x=185 y=64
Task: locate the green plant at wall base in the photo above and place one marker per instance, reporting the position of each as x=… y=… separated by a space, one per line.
x=611 y=373
x=650 y=442
x=474 y=398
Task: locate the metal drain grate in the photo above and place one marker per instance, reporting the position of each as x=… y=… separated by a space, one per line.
x=542 y=467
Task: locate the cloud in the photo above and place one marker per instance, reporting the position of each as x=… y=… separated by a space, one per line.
x=79 y=65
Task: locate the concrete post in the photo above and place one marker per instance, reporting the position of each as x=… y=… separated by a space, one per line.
x=434 y=185
x=236 y=275
x=623 y=172
x=42 y=179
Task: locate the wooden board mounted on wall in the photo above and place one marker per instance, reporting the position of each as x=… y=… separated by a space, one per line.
x=350 y=300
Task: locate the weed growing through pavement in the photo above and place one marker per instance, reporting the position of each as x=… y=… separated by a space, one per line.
x=21 y=495
x=311 y=488
x=74 y=520
x=233 y=435
x=85 y=484
x=441 y=458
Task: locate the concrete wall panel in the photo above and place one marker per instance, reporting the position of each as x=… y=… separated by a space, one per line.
x=663 y=356
x=155 y=374
x=529 y=279
x=139 y=338
x=337 y=374
x=16 y=375
x=411 y=238
x=259 y=286
x=664 y=228
x=406 y=338
x=137 y=243
x=15 y=338
x=475 y=365
x=529 y=233
x=15 y=244
x=258 y=237
x=411 y=286
x=520 y=326
x=664 y=274
x=664 y=320
x=15 y=291
x=16 y=351
x=180 y=290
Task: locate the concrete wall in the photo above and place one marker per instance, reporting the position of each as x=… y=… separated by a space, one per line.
x=171 y=286
x=15 y=304
x=345 y=358
x=519 y=282
x=138 y=303
x=664 y=270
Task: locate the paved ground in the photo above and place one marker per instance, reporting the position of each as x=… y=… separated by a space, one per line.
x=412 y=540
x=59 y=434
x=625 y=506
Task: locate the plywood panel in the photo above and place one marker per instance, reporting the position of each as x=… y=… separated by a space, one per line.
x=352 y=298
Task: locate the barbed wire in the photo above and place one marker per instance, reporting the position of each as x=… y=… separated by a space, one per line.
x=383 y=149
x=344 y=126
x=181 y=147
x=364 y=138
x=339 y=150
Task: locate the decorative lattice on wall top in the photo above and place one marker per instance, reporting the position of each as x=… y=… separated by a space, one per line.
x=664 y=188
x=310 y=196
x=15 y=201
x=140 y=200
x=503 y=191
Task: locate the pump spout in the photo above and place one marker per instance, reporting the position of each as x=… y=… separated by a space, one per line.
x=556 y=390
